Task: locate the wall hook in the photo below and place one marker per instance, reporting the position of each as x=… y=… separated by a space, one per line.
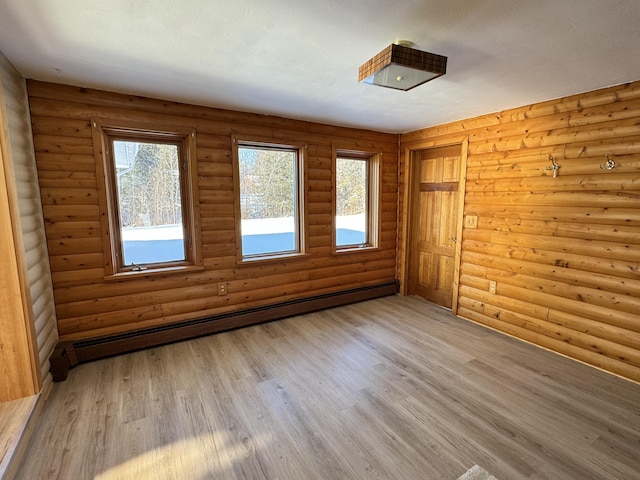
x=554 y=166
x=609 y=164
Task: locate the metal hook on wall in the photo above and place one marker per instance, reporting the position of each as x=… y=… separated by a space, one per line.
x=554 y=166
x=609 y=164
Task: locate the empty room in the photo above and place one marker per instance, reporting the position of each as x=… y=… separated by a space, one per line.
x=319 y=240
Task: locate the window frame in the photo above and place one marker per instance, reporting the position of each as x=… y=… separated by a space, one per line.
x=239 y=141
x=104 y=131
x=374 y=165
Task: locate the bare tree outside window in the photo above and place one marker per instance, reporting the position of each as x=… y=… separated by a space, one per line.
x=267 y=180
x=149 y=191
x=352 y=201
x=149 y=201
x=269 y=200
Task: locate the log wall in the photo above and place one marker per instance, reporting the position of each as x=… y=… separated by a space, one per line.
x=565 y=251
x=31 y=252
x=87 y=306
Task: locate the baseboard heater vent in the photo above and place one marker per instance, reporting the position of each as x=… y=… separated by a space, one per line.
x=68 y=354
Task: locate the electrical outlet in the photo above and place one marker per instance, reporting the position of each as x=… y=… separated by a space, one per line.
x=222 y=288
x=492 y=287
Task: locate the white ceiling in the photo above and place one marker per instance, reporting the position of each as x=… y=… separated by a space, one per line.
x=300 y=58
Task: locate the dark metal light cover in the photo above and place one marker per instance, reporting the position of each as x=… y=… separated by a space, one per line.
x=402 y=68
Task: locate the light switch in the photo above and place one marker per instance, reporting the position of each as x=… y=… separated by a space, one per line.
x=471 y=221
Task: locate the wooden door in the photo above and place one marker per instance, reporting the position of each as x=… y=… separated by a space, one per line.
x=434 y=223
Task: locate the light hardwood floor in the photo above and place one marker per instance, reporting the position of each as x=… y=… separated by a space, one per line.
x=14 y=418
x=393 y=388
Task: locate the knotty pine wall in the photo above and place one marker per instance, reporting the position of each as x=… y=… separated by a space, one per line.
x=564 y=251
x=87 y=306
x=34 y=261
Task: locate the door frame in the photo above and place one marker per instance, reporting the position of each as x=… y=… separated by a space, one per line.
x=408 y=211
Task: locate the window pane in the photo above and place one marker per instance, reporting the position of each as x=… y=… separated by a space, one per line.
x=268 y=200
x=351 y=202
x=149 y=202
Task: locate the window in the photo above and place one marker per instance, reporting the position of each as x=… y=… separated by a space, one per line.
x=356 y=200
x=270 y=205
x=147 y=193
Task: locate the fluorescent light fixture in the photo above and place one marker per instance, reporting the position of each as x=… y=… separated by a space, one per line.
x=401 y=67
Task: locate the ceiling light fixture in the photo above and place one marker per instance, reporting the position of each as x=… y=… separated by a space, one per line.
x=401 y=67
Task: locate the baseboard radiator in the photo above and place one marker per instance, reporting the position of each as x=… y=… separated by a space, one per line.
x=68 y=354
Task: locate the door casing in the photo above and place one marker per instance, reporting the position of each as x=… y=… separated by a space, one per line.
x=408 y=210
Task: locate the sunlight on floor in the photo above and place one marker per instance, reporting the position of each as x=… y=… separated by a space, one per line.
x=192 y=458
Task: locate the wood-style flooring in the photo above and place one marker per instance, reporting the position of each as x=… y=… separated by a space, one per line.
x=394 y=388
x=14 y=418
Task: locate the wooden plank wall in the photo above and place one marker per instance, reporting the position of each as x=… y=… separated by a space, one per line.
x=564 y=251
x=87 y=306
x=33 y=241
x=17 y=348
